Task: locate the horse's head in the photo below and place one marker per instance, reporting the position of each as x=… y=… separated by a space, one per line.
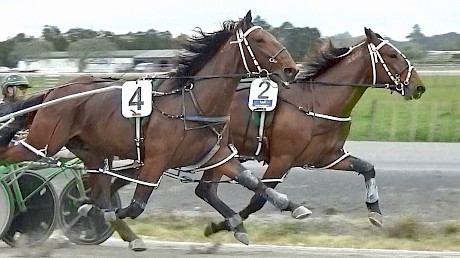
x=390 y=66
x=262 y=52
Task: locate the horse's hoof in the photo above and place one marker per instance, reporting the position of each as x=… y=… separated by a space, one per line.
x=84 y=210
x=137 y=245
x=242 y=237
x=301 y=212
x=209 y=230
x=376 y=219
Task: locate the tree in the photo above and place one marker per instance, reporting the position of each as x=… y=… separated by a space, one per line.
x=33 y=49
x=5 y=49
x=85 y=48
x=76 y=34
x=297 y=40
x=417 y=36
x=413 y=50
x=262 y=23
x=343 y=39
x=53 y=35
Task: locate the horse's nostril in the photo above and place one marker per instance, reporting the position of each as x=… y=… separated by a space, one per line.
x=421 y=89
x=291 y=72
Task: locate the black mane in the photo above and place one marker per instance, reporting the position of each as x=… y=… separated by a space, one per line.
x=200 y=49
x=325 y=56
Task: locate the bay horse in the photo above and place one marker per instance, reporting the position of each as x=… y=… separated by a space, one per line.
x=310 y=124
x=188 y=125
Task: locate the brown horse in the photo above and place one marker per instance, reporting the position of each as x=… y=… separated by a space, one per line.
x=188 y=125
x=310 y=123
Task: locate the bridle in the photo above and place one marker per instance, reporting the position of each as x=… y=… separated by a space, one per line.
x=396 y=78
x=241 y=37
x=376 y=57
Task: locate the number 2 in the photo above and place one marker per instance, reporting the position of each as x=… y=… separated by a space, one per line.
x=261 y=95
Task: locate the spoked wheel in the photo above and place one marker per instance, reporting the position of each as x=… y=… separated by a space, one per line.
x=7 y=207
x=91 y=230
x=35 y=225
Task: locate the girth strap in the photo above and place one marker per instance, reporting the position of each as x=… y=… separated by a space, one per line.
x=207 y=119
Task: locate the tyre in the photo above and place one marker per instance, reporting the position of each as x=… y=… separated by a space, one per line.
x=7 y=207
x=91 y=230
x=33 y=226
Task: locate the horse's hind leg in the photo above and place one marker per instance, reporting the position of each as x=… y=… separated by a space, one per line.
x=207 y=191
x=276 y=170
x=101 y=195
x=233 y=169
x=125 y=232
x=372 y=196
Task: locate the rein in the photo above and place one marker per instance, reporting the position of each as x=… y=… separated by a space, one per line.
x=377 y=86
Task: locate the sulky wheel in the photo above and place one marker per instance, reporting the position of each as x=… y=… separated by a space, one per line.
x=35 y=225
x=91 y=230
x=7 y=207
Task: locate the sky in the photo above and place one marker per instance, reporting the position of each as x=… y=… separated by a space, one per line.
x=390 y=18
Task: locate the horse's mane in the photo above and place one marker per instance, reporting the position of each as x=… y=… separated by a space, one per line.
x=201 y=48
x=323 y=55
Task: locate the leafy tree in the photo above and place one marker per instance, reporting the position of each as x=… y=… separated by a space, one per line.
x=413 y=50
x=86 y=48
x=262 y=23
x=297 y=40
x=53 y=35
x=343 y=39
x=179 y=41
x=79 y=33
x=33 y=49
x=417 y=36
x=5 y=49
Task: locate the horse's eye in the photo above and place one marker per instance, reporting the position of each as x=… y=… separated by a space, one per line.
x=393 y=55
x=260 y=41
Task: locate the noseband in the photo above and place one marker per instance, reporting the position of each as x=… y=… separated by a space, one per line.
x=241 y=37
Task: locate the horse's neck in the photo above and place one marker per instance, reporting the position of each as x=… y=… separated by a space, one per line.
x=350 y=71
x=226 y=64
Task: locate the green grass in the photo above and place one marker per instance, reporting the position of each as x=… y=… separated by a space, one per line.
x=435 y=117
x=381 y=116
x=404 y=233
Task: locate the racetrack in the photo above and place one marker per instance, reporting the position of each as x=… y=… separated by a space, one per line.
x=117 y=248
x=415 y=179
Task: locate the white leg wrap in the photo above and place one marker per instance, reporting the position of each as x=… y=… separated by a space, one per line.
x=235 y=221
x=280 y=201
x=372 y=194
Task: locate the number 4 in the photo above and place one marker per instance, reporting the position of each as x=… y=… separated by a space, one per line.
x=136 y=99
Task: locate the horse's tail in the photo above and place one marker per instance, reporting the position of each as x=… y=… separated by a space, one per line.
x=21 y=122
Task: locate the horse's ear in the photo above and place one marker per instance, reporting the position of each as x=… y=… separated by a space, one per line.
x=371 y=37
x=248 y=20
x=367 y=31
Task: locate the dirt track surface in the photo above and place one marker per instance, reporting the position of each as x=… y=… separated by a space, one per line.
x=117 y=248
x=414 y=179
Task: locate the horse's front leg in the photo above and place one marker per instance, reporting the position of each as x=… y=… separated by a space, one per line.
x=207 y=191
x=363 y=167
x=372 y=195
